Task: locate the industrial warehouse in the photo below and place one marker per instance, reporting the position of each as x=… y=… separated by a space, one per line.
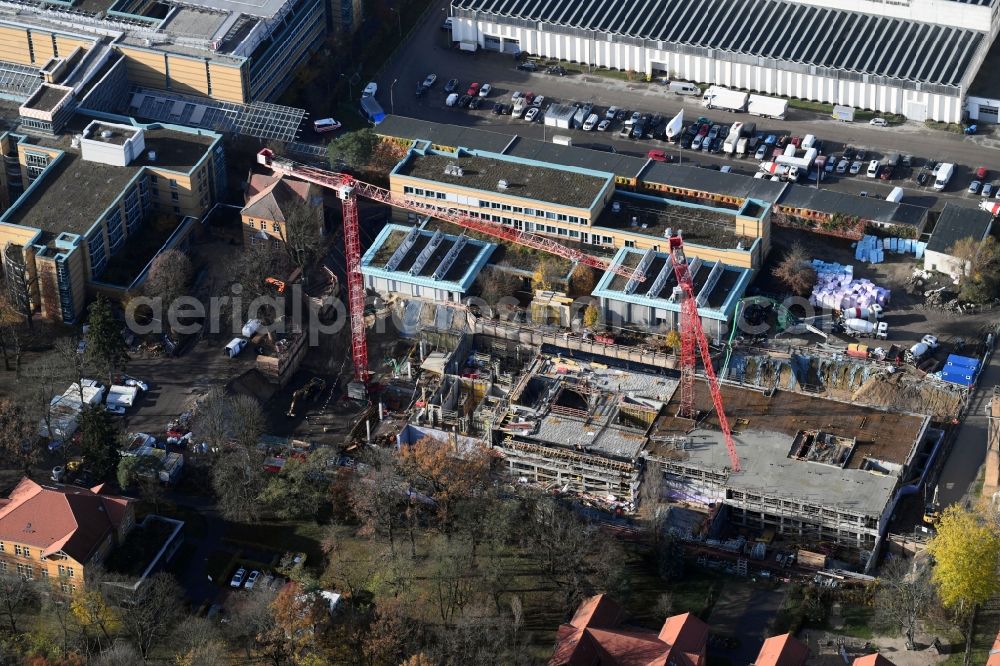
x=916 y=58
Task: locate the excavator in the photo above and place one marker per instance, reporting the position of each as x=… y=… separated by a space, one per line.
x=313 y=388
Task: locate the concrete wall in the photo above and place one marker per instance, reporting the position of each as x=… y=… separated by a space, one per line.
x=405 y=289
x=944 y=263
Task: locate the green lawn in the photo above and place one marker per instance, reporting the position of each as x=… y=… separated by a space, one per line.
x=807 y=105
x=954 y=128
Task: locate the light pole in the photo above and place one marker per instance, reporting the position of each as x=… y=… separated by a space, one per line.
x=399 y=20
x=392 y=103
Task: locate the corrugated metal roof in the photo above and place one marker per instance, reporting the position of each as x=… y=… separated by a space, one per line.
x=821 y=36
x=710 y=180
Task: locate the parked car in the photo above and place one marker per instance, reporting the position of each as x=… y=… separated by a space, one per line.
x=878 y=122
x=634 y=118
x=922 y=178
x=532 y=113
x=860 y=155
x=527 y=66
x=498 y=108
x=558 y=70
x=447 y=24
x=430 y=80
x=761 y=152
x=138 y=383
x=842 y=166
x=451 y=86
x=657 y=155
x=611 y=113
x=465 y=100
x=974 y=187
x=485 y=90
x=473 y=89
x=686 y=142
x=252 y=579
x=529 y=98
x=516 y=95
x=451 y=100
x=538 y=101
x=770 y=140
x=873 y=169
x=848 y=152
x=118 y=410
x=855 y=167
x=421 y=90
x=325 y=125
x=603 y=125
x=591 y=122
x=987 y=190
x=713 y=132
x=476 y=102
x=238 y=577
x=830 y=164
x=980 y=173
x=696 y=142
x=370 y=89
x=622 y=115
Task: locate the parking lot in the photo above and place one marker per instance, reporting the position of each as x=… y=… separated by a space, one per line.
x=429 y=51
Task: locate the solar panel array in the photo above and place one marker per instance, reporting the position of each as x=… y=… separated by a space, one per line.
x=259 y=119
x=18 y=80
x=820 y=36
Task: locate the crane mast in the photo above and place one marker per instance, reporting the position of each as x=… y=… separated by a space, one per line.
x=692 y=336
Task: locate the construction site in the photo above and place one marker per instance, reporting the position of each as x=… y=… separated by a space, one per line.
x=815 y=473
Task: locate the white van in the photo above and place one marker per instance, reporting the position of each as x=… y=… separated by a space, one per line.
x=873 y=168
x=683 y=88
x=235 y=346
x=807 y=142
x=325 y=125
x=896 y=195
x=562 y=140
x=452 y=100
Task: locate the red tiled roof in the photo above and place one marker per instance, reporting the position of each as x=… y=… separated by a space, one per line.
x=783 y=650
x=878 y=660
x=594 y=635
x=994 y=658
x=56 y=517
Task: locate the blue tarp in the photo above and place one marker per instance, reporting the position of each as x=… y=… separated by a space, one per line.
x=955 y=361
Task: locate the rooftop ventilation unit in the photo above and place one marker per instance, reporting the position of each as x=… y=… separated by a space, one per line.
x=106 y=134
x=502 y=185
x=453 y=169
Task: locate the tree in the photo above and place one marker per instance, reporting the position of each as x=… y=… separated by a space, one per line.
x=795 y=272
x=302 y=233
x=353 y=148
x=17 y=435
x=256 y=263
x=447 y=475
x=17 y=299
x=497 y=283
x=301 y=488
x=211 y=423
x=295 y=618
x=387 y=634
x=980 y=281
x=672 y=340
x=592 y=316
x=903 y=594
x=93 y=612
x=148 y=613
x=238 y=480
x=99 y=441
x=10 y=331
x=545 y=276
x=377 y=496
x=965 y=550
x=169 y=276
x=198 y=642
x=246 y=420
x=582 y=281
x=119 y=654
x=17 y=593
x=106 y=347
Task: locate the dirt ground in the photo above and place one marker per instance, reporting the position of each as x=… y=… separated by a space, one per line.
x=908 y=318
x=823 y=649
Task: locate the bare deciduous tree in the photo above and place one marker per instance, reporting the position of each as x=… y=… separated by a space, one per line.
x=795 y=272
x=17 y=435
x=148 y=613
x=904 y=593
x=302 y=232
x=16 y=594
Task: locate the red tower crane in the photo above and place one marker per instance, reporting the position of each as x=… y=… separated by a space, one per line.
x=692 y=333
x=348 y=188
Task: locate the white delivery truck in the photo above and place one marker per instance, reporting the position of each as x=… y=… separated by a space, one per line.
x=562 y=140
x=944 y=174
x=741 y=147
x=807 y=141
x=717 y=97
x=896 y=195
x=767 y=107
x=733 y=138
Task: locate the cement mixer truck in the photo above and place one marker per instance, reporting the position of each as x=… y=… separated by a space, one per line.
x=861 y=328
x=917 y=352
x=871 y=313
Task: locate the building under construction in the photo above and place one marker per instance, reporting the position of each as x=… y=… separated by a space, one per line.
x=815 y=472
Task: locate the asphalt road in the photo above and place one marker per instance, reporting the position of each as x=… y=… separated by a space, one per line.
x=969 y=450
x=428 y=51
